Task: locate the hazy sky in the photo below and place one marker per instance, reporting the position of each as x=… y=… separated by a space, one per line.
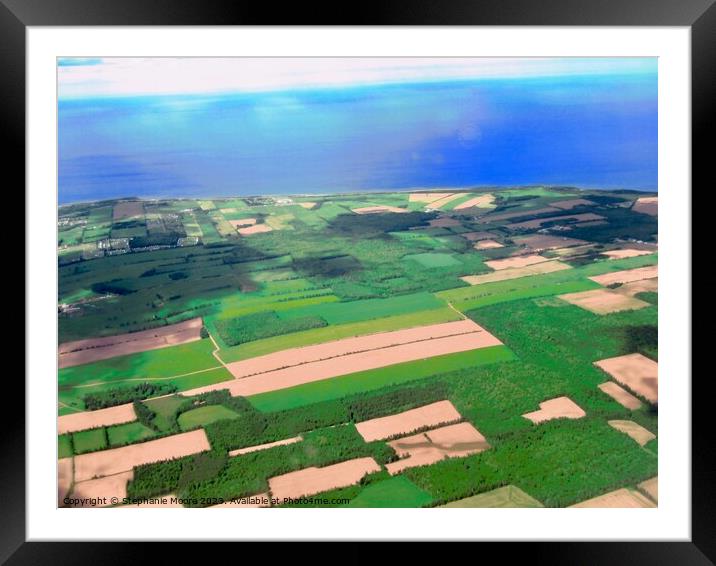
x=108 y=77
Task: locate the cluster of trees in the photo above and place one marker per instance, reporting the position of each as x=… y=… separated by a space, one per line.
x=121 y=395
x=372 y=225
x=260 y=325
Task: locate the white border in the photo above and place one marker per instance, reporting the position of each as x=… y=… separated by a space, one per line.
x=670 y=521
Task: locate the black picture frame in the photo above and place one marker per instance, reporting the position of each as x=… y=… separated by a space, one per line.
x=698 y=15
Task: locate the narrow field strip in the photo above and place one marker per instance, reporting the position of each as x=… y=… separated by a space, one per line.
x=299 y=356
x=352 y=363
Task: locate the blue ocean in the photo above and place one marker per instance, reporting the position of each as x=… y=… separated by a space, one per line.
x=588 y=131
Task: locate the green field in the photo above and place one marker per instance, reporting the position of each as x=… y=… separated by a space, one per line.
x=203 y=416
x=433 y=260
x=186 y=366
x=359 y=311
x=375 y=379
x=395 y=492
x=89 y=440
x=64 y=446
x=128 y=433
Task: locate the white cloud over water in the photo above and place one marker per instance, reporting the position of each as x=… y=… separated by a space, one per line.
x=162 y=76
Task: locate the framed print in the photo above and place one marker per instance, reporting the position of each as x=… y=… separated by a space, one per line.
x=396 y=281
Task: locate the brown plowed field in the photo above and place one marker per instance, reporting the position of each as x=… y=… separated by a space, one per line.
x=64 y=478
x=255 y=229
x=115 y=460
x=93 y=419
x=637 y=372
x=558 y=408
x=487 y=245
x=624 y=398
x=452 y=441
x=540 y=242
x=316 y=480
x=647 y=205
x=106 y=487
x=483 y=201
x=95 y=349
x=408 y=421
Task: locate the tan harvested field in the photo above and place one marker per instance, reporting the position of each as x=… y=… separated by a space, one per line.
x=576 y=250
x=124 y=210
x=406 y=422
x=266 y=446
x=350 y=363
x=427 y=197
x=95 y=349
x=115 y=460
x=483 y=201
x=633 y=430
x=311 y=481
x=327 y=350
x=252 y=501
x=558 y=408
x=620 y=499
x=584 y=217
x=624 y=398
x=103 y=489
x=445 y=222
x=443 y=201
x=227 y=211
x=93 y=419
x=242 y=222
x=520 y=213
x=627 y=276
x=378 y=209
x=647 y=205
x=628 y=252
x=64 y=478
x=571 y=203
x=603 y=301
x=637 y=372
x=634 y=287
x=517 y=272
x=452 y=441
x=651 y=488
x=475 y=236
x=508 y=496
x=308 y=205
x=515 y=261
x=487 y=245
x=540 y=242
x=255 y=229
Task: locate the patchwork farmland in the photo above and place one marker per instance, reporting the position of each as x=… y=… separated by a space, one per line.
x=443 y=348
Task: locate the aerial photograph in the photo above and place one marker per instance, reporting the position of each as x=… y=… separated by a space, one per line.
x=357 y=282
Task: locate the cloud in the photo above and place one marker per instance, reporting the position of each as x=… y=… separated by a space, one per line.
x=163 y=76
